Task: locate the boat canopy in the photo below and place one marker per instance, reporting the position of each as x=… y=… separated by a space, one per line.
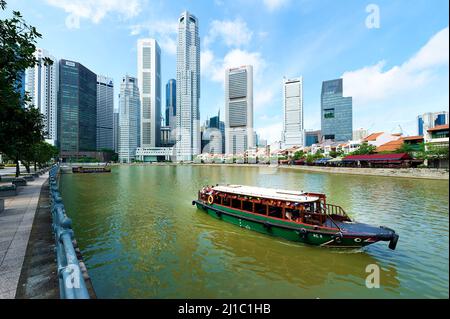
x=270 y=193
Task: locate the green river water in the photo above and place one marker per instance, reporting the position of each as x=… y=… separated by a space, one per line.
x=141 y=237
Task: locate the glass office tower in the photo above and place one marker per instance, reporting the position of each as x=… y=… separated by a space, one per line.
x=336 y=112
x=77 y=109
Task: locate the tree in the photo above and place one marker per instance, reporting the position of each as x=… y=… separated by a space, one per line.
x=434 y=151
x=335 y=154
x=20 y=127
x=365 y=149
x=298 y=155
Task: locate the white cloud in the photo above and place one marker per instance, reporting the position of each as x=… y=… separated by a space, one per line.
x=164 y=31
x=273 y=5
x=271 y=133
x=232 y=33
x=373 y=83
x=95 y=10
x=263 y=97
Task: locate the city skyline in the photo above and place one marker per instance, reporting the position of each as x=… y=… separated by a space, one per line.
x=407 y=74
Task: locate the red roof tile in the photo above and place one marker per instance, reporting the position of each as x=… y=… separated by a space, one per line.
x=390 y=146
x=378 y=157
x=372 y=137
x=438 y=128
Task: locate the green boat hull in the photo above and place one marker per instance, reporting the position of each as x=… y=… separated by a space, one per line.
x=301 y=233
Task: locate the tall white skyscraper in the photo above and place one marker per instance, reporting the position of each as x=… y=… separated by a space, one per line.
x=105 y=109
x=42 y=86
x=293 y=112
x=149 y=79
x=188 y=141
x=239 y=135
x=128 y=119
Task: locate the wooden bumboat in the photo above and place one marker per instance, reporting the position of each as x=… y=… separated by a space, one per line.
x=91 y=169
x=293 y=215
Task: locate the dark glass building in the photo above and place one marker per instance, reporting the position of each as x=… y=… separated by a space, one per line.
x=77 y=109
x=312 y=137
x=336 y=112
x=171 y=103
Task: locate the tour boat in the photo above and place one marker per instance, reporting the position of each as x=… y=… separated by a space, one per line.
x=91 y=169
x=293 y=215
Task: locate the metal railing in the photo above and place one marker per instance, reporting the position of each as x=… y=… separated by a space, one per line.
x=335 y=210
x=71 y=281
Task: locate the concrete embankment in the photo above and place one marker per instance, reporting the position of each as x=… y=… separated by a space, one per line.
x=28 y=267
x=423 y=173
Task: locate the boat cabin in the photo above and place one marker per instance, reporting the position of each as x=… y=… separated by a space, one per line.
x=292 y=206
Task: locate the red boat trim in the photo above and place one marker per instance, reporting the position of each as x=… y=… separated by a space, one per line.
x=276 y=218
x=309 y=230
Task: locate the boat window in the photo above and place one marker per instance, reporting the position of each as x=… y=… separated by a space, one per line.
x=260 y=208
x=248 y=206
x=275 y=212
x=226 y=201
x=236 y=203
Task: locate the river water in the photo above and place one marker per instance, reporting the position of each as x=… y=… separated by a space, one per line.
x=141 y=237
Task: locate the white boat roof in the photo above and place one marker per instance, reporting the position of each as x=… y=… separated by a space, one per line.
x=272 y=193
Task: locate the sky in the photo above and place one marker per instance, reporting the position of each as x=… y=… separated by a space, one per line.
x=392 y=55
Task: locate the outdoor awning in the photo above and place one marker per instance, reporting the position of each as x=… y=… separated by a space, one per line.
x=322 y=160
x=377 y=157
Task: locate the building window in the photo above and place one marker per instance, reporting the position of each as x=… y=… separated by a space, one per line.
x=328 y=113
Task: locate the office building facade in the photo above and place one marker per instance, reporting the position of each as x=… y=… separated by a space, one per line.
x=77 y=109
x=149 y=81
x=171 y=104
x=188 y=140
x=293 y=112
x=105 y=110
x=239 y=110
x=129 y=108
x=336 y=112
x=116 y=132
x=42 y=87
x=311 y=137
x=430 y=120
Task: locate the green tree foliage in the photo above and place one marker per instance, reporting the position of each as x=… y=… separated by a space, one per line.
x=335 y=154
x=365 y=149
x=434 y=151
x=299 y=155
x=20 y=128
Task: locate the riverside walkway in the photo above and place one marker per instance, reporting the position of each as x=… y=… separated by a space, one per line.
x=16 y=222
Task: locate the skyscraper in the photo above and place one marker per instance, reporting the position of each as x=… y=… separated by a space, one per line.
x=128 y=119
x=430 y=120
x=42 y=85
x=116 y=132
x=149 y=81
x=239 y=110
x=105 y=109
x=77 y=109
x=171 y=109
x=171 y=103
x=293 y=112
x=336 y=112
x=188 y=140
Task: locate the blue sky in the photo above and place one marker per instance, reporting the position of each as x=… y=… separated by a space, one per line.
x=393 y=72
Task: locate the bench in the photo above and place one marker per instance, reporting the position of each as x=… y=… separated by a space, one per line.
x=19 y=181
x=8 y=190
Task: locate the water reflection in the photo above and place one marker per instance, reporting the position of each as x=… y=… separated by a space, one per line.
x=141 y=238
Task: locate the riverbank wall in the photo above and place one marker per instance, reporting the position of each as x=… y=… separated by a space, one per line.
x=419 y=173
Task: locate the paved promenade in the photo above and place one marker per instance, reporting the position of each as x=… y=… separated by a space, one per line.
x=15 y=227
